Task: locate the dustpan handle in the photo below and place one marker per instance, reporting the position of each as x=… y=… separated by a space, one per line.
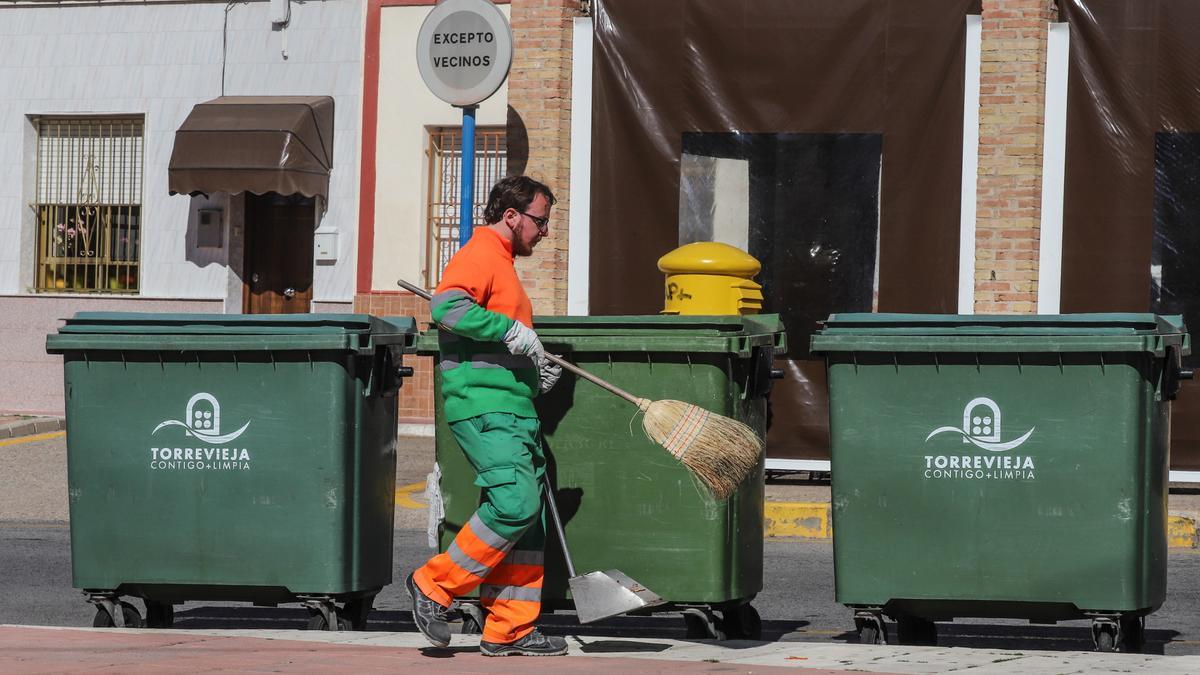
x=562 y=537
x=421 y=292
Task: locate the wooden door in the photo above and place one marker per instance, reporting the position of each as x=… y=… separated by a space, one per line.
x=278 y=264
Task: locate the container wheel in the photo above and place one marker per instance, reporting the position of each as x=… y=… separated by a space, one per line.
x=159 y=614
x=104 y=620
x=473 y=618
x=356 y=612
x=1104 y=635
x=912 y=630
x=1133 y=633
x=742 y=622
x=318 y=622
x=702 y=624
x=871 y=629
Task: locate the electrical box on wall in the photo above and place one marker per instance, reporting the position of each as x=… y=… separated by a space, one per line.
x=325 y=246
x=210 y=228
x=281 y=12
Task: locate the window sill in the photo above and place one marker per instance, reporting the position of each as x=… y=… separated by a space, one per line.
x=108 y=296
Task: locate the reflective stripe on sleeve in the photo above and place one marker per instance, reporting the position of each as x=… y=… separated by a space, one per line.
x=447 y=296
x=509 y=361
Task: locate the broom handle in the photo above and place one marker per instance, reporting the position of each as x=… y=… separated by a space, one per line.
x=562 y=537
x=421 y=292
x=593 y=379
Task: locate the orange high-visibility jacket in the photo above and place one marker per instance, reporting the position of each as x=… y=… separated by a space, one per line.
x=477 y=300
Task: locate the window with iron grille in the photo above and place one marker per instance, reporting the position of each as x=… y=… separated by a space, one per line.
x=88 y=204
x=445 y=184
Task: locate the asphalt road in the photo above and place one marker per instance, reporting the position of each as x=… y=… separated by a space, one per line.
x=796 y=605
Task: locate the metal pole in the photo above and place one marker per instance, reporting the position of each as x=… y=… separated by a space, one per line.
x=466 y=216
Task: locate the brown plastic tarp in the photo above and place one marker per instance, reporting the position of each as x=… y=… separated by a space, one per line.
x=1131 y=200
x=258 y=144
x=667 y=68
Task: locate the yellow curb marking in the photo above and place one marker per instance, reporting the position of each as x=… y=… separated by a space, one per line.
x=1181 y=532
x=404 y=496
x=811 y=520
x=797 y=519
x=30 y=439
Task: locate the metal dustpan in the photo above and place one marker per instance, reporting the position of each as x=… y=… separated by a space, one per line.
x=599 y=595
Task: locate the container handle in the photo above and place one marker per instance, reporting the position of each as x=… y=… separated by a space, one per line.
x=1174 y=372
x=386 y=376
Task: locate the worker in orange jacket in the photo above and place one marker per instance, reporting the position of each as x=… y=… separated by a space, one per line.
x=492 y=365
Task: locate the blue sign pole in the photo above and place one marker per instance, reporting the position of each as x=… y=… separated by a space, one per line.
x=466 y=215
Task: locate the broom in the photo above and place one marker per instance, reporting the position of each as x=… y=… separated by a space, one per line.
x=718 y=450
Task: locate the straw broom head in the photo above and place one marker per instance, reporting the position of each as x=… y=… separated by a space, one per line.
x=718 y=450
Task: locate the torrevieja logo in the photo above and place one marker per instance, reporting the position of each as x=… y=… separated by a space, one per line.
x=202 y=421
x=981 y=428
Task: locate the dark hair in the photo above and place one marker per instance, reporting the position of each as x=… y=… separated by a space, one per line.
x=513 y=192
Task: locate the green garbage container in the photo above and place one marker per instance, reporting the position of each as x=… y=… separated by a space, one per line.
x=627 y=504
x=1001 y=467
x=231 y=458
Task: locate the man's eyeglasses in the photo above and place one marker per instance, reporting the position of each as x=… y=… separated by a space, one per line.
x=543 y=223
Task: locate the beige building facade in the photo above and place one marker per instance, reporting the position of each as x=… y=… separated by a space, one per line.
x=1004 y=135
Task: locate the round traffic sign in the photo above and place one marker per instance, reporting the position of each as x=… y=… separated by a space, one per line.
x=464 y=50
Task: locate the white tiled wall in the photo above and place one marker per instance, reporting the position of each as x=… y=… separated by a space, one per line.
x=160 y=60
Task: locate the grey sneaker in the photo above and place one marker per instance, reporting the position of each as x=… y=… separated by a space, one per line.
x=429 y=616
x=534 y=644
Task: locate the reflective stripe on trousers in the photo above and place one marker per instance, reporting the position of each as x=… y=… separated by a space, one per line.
x=465 y=564
x=499 y=549
x=512 y=595
x=510 y=586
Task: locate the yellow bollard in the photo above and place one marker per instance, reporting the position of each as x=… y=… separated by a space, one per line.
x=709 y=278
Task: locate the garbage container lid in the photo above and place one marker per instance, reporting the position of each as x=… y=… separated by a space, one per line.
x=155 y=331
x=652 y=333
x=1001 y=333
x=231 y=324
x=1009 y=324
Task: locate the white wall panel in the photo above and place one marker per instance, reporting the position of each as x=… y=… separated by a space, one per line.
x=159 y=61
x=579 y=242
x=1054 y=161
x=970 y=168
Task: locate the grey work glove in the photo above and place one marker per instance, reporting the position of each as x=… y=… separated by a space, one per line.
x=522 y=341
x=548 y=375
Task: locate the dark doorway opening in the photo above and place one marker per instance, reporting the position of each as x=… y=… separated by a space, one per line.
x=278 y=268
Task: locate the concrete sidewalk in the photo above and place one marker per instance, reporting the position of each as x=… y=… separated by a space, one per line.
x=26 y=649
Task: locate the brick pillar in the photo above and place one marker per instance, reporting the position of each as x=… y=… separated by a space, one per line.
x=1012 y=97
x=539 y=133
